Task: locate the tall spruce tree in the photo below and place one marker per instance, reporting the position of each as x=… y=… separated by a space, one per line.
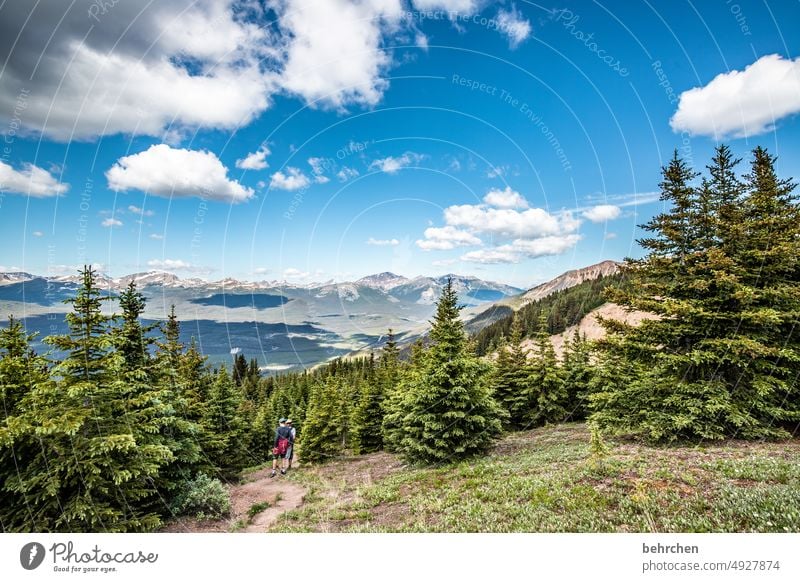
x=699 y=357
x=223 y=426
x=547 y=390
x=450 y=411
x=96 y=466
x=577 y=372
x=21 y=371
x=512 y=378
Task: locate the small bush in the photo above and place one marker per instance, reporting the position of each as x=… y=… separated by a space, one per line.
x=205 y=498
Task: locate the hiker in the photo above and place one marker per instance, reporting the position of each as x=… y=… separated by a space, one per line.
x=290 y=453
x=283 y=440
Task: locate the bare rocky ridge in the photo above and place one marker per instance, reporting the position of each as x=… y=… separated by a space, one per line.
x=567 y=280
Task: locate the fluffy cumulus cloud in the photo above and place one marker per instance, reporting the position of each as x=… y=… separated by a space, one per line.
x=507 y=228
x=31 y=180
x=140 y=211
x=742 y=103
x=391 y=165
x=512 y=24
x=509 y=223
x=254 y=161
x=291 y=179
x=380 y=242
x=521 y=249
x=446 y=238
x=507 y=198
x=334 y=55
x=347 y=173
x=602 y=213
x=176 y=173
x=177 y=265
x=111 y=222
x=459 y=6
x=177 y=65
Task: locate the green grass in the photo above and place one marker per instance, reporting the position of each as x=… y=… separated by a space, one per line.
x=257 y=508
x=548 y=480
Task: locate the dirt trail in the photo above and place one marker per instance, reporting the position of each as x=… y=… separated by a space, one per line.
x=280 y=494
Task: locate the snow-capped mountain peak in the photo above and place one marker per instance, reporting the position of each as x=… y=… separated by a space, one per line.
x=383 y=281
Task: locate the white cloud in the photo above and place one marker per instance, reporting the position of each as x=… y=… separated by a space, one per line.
x=293 y=179
x=37 y=233
x=496 y=171
x=156 y=236
x=507 y=198
x=321 y=179
x=461 y=6
x=111 y=222
x=506 y=222
x=292 y=274
x=170 y=67
x=742 y=103
x=254 y=161
x=334 y=55
x=610 y=236
x=31 y=180
x=177 y=265
x=446 y=238
x=421 y=41
x=176 y=173
x=347 y=173
x=523 y=249
x=390 y=164
x=514 y=26
x=392 y=242
x=137 y=210
x=602 y=213
x=261 y=271
x=318 y=165
x=151 y=70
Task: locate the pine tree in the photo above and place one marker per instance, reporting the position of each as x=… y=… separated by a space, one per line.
x=95 y=467
x=239 y=371
x=223 y=426
x=325 y=428
x=707 y=360
x=577 y=372
x=367 y=423
x=21 y=371
x=181 y=431
x=547 y=391
x=511 y=379
x=394 y=404
x=450 y=411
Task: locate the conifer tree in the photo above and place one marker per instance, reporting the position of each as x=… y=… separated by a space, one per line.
x=181 y=430
x=223 y=425
x=367 y=423
x=547 y=391
x=394 y=404
x=325 y=428
x=450 y=411
x=21 y=371
x=95 y=468
x=577 y=372
x=708 y=358
x=511 y=379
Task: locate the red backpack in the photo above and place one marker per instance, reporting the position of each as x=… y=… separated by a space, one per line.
x=283 y=445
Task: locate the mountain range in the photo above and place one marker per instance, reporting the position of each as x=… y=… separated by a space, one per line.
x=284 y=325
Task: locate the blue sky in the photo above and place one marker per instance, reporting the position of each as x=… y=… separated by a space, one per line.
x=309 y=140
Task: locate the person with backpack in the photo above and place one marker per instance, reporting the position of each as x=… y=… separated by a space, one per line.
x=290 y=454
x=280 y=446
